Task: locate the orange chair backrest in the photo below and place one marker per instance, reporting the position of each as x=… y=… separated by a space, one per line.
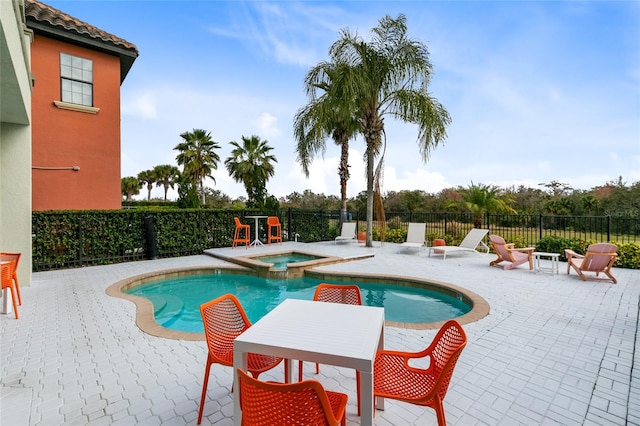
x=599 y=257
x=335 y=293
x=266 y=404
x=237 y=221
x=445 y=350
x=224 y=320
x=6 y=275
x=273 y=221
x=11 y=257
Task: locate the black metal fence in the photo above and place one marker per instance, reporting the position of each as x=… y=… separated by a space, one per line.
x=81 y=238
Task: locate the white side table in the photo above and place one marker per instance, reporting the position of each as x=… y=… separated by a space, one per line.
x=553 y=257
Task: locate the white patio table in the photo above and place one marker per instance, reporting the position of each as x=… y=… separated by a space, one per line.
x=327 y=333
x=256 y=241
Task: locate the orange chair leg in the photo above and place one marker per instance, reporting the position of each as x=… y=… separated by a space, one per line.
x=13 y=298
x=17 y=287
x=204 y=389
x=440 y=412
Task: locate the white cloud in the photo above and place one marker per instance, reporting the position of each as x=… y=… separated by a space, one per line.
x=268 y=125
x=140 y=104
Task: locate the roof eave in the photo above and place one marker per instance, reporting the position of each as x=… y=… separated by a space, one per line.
x=127 y=56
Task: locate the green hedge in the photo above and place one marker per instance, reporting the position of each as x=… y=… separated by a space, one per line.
x=63 y=239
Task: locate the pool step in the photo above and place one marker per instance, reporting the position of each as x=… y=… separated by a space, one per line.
x=166 y=309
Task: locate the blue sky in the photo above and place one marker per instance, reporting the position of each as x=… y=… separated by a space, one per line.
x=537 y=91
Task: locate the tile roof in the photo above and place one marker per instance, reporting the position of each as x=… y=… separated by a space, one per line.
x=42 y=13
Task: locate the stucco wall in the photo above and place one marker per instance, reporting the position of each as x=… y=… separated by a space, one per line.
x=67 y=138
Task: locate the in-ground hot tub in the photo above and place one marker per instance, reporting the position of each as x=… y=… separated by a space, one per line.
x=284 y=264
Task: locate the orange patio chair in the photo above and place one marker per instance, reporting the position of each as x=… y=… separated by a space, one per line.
x=303 y=403
x=274 y=223
x=508 y=253
x=599 y=258
x=242 y=234
x=395 y=378
x=4 y=256
x=224 y=320
x=336 y=293
x=7 y=271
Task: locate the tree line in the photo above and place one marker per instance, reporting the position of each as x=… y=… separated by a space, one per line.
x=250 y=163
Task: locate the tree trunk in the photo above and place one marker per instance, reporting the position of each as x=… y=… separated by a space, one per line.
x=370 y=160
x=344 y=177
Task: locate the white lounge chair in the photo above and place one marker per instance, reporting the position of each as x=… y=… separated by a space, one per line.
x=470 y=243
x=415 y=236
x=348 y=232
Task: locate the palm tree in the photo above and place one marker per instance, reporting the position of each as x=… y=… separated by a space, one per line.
x=323 y=116
x=388 y=76
x=129 y=186
x=166 y=176
x=480 y=199
x=198 y=157
x=251 y=164
x=148 y=178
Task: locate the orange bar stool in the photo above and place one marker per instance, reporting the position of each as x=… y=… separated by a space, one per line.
x=242 y=234
x=274 y=223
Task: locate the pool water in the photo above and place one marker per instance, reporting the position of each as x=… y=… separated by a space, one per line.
x=177 y=301
x=280 y=261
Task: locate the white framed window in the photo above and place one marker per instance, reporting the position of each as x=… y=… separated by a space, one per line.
x=76 y=78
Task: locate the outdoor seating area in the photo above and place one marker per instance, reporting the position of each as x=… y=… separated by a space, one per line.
x=554 y=349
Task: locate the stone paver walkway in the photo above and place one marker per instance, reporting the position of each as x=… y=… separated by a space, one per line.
x=553 y=350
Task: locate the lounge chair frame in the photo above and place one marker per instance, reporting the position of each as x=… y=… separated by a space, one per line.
x=348 y=232
x=470 y=243
x=415 y=236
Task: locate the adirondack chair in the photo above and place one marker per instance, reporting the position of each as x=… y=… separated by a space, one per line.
x=508 y=253
x=599 y=258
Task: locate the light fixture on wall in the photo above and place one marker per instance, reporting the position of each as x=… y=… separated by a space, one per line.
x=74 y=168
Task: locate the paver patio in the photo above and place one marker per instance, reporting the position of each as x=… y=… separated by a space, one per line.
x=553 y=350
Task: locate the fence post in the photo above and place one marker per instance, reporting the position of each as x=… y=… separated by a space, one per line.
x=289 y=227
x=608 y=228
x=445 y=223
x=80 y=244
x=487 y=221
x=540 y=227
x=150 y=234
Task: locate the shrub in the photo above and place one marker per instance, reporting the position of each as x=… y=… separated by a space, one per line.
x=628 y=256
x=557 y=244
x=396 y=235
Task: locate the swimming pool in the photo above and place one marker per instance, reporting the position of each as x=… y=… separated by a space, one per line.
x=176 y=301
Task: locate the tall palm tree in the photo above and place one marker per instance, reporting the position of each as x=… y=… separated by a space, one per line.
x=198 y=157
x=166 y=176
x=252 y=164
x=388 y=76
x=129 y=186
x=148 y=178
x=324 y=116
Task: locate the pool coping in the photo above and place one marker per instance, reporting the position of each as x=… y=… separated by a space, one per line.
x=145 y=318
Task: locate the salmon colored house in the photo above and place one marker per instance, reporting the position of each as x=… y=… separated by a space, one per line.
x=75 y=107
